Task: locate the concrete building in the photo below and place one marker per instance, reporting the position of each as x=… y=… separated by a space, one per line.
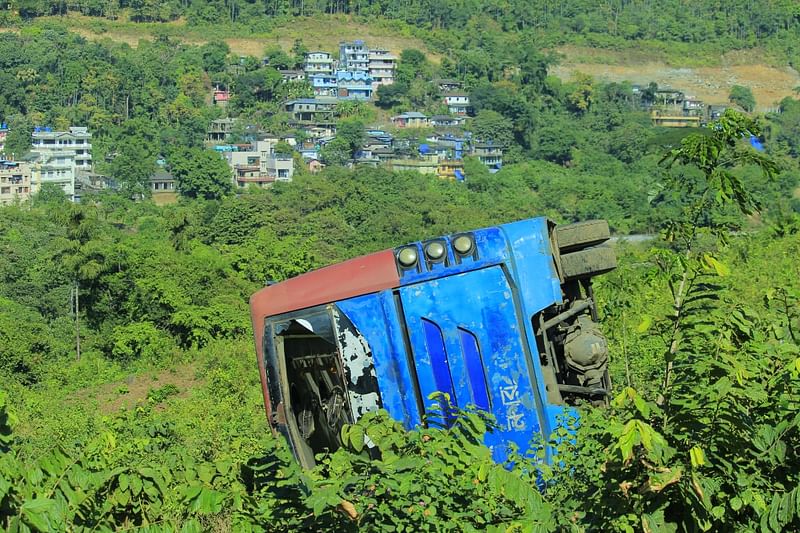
x=292 y=75
x=451 y=169
x=59 y=156
x=447 y=121
x=3 y=135
x=219 y=130
x=15 y=182
x=317 y=110
x=410 y=119
x=673 y=120
x=489 y=154
x=324 y=84
x=354 y=55
x=353 y=85
x=261 y=165
x=424 y=164
x=318 y=63
x=448 y=85
x=457 y=103
x=381 y=67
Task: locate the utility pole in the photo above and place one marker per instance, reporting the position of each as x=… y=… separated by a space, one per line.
x=75 y=294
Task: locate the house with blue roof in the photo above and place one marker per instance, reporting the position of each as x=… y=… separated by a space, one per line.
x=353 y=85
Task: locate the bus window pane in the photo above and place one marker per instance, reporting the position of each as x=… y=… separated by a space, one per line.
x=434 y=341
x=475 y=369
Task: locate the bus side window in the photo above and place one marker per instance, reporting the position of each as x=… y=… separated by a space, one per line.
x=475 y=369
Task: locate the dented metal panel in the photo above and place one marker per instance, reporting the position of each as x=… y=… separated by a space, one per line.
x=482 y=305
x=377 y=317
x=539 y=287
x=359 y=370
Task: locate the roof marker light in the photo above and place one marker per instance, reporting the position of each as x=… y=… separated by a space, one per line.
x=463 y=244
x=434 y=251
x=407 y=257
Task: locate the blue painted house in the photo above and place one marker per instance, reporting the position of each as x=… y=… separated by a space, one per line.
x=323 y=84
x=354 y=85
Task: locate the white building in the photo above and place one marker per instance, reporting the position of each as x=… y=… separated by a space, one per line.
x=353 y=55
x=318 y=63
x=58 y=156
x=260 y=165
x=3 y=135
x=457 y=103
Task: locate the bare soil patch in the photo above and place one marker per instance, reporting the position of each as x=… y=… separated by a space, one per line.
x=712 y=84
x=315 y=34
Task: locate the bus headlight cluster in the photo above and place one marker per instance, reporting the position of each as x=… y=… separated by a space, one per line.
x=407 y=257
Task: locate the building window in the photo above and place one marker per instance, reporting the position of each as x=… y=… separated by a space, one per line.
x=5 y=190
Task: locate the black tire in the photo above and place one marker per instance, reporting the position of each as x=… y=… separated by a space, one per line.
x=572 y=237
x=588 y=262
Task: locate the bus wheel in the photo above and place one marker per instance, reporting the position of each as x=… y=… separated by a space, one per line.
x=571 y=237
x=588 y=262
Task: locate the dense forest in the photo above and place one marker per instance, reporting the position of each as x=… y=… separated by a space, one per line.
x=142 y=410
x=737 y=22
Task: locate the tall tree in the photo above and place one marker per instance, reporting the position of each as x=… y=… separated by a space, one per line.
x=201 y=173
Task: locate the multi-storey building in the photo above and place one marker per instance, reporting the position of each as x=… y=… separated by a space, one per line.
x=58 y=156
x=489 y=154
x=260 y=165
x=323 y=84
x=382 y=66
x=3 y=135
x=353 y=55
x=219 y=130
x=457 y=103
x=318 y=63
x=353 y=85
x=15 y=182
x=316 y=110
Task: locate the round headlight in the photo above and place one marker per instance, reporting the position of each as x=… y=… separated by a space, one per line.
x=407 y=256
x=434 y=250
x=463 y=245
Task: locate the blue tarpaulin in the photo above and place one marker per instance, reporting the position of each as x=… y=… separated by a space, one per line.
x=460 y=175
x=755 y=143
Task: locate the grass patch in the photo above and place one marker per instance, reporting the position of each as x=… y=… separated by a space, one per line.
x=316 y=33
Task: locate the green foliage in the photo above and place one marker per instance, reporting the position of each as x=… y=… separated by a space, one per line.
x=140 y=340
x=743 y=97
x=201 y=174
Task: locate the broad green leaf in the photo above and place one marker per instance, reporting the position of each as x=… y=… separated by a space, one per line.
x=36 y=511
x=356 y=438
x=697 y=456
x=645 y=324
x=736 y=503
x=721 y=269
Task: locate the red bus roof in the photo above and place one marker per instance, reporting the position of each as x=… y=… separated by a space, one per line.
x=362 y=275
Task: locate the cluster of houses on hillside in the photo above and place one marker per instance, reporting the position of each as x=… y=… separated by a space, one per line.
x=63 y=158
x=672 y=108
x=355 y=75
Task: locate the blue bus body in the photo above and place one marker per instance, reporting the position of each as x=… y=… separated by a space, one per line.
x=497 y=318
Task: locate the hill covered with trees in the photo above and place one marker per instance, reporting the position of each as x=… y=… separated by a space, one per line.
x=156 y=422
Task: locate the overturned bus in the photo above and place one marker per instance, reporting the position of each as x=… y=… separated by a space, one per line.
x=501 y=318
